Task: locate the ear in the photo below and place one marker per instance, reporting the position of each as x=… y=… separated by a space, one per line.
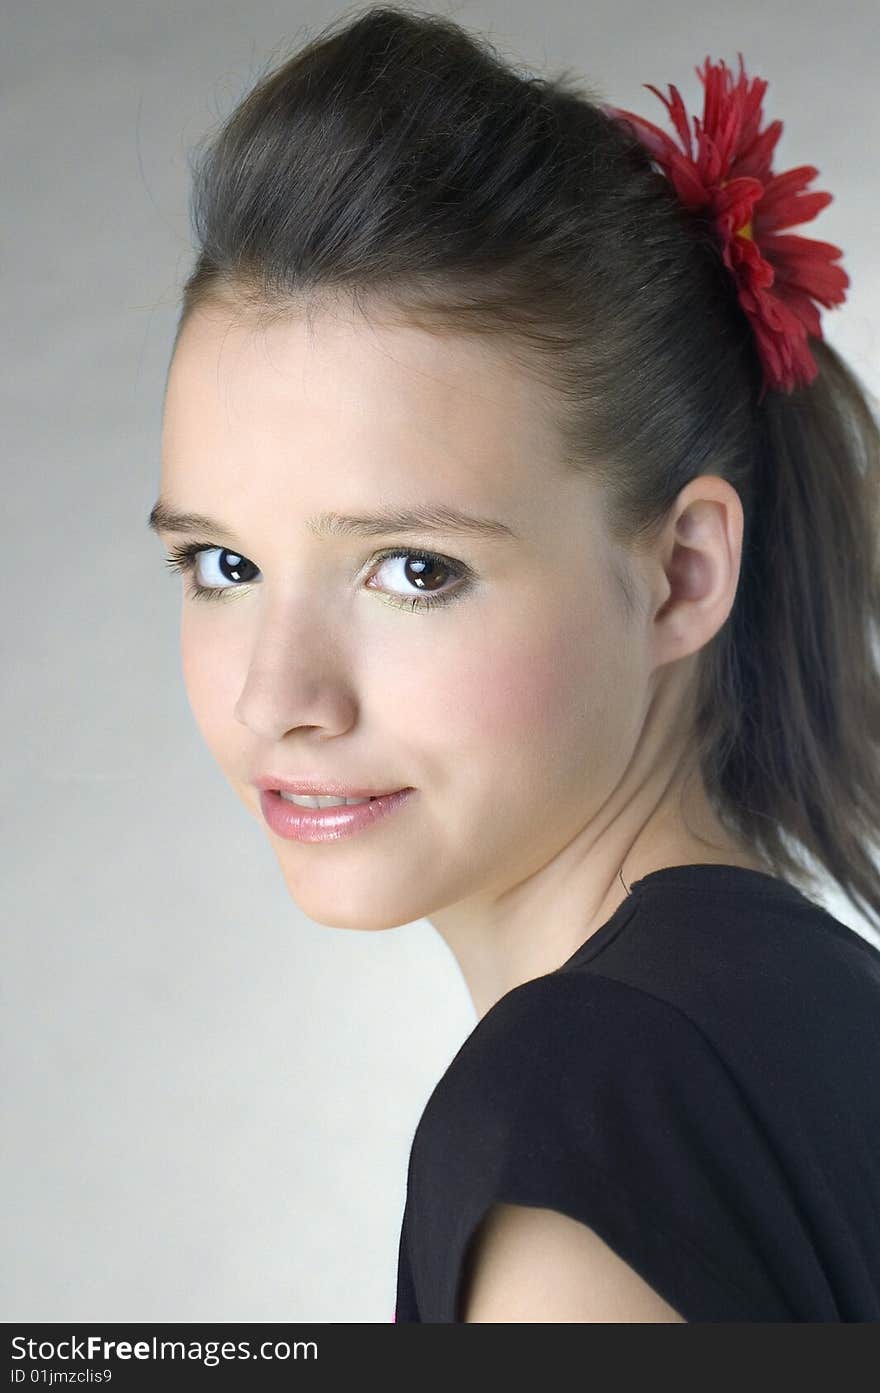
x=695 y=566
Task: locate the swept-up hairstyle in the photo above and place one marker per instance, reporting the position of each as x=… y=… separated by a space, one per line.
x=397 y=161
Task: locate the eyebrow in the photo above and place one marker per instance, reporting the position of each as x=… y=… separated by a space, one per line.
x=431 y=517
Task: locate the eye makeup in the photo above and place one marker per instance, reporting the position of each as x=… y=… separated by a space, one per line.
x=183 y=559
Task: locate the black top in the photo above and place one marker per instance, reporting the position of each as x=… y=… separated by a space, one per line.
x=698 y=1083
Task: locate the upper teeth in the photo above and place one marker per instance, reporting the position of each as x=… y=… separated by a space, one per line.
x=308 y=800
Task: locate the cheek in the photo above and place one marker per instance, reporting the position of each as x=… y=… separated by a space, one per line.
x=209 y=674
x=527 y=690
x=547 y=712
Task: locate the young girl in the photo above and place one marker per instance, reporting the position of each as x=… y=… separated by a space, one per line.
x=529 y=527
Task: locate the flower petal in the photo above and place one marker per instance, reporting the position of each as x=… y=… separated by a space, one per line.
x=726 y=166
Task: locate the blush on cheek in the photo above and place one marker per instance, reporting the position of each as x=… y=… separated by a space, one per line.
x=523 y=692
x=555 y=716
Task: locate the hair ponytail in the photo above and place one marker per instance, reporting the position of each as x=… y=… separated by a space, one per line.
x=790 y=691
x=397 y=159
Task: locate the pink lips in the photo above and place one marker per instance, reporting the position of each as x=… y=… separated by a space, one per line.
x=298 y=824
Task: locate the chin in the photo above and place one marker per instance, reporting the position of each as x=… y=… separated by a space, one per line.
x=337 y=911
x=357 y=919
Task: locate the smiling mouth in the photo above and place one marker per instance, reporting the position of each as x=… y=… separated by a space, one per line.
x=322 y=800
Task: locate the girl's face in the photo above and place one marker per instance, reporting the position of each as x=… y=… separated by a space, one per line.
x=512 y=706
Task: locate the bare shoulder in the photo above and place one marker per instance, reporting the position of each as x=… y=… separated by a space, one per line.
x=539 y=1265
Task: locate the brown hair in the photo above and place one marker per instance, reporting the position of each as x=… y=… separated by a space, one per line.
x=397 y=158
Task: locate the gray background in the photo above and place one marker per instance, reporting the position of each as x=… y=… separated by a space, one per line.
x=210 y=1098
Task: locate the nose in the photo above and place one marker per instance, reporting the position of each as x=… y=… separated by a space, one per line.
x=298 y=675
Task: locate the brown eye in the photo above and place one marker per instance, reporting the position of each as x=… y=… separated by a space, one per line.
x=422 y=580
x=409 y=575
x=427 y=575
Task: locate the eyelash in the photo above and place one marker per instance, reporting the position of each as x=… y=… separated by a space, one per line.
x=183 y=559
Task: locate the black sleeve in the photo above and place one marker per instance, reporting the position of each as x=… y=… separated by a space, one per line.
x=585 y=1095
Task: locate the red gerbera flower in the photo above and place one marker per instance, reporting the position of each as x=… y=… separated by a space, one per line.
x=778 y=275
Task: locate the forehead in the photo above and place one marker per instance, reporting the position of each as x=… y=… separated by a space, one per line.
x=368 y=402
